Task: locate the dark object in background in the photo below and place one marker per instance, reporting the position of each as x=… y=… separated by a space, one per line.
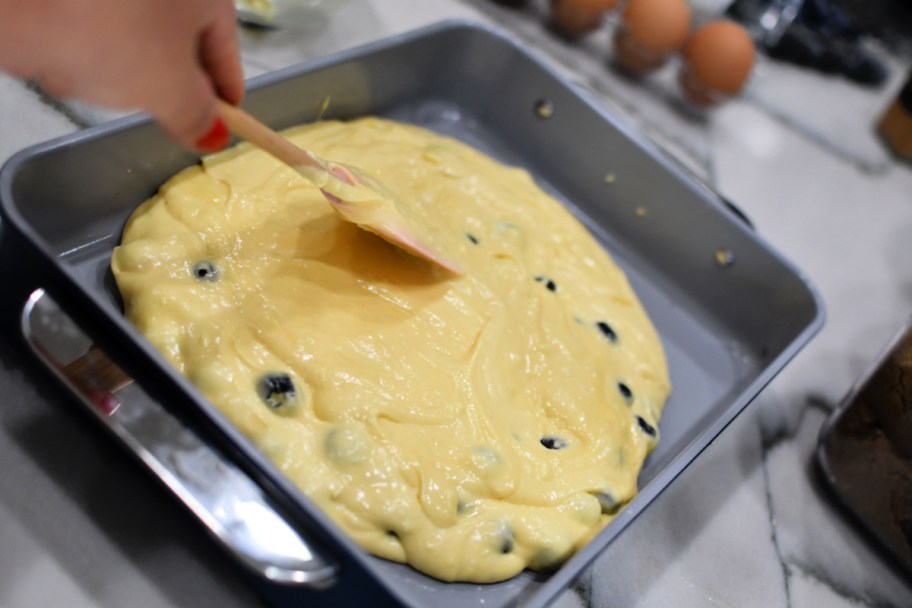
x=511 y=3
x=803 y=46
x=865 y=450
x=888 y=20
x=811 y=33
x=895 y=125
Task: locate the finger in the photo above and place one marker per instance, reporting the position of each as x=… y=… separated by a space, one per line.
x=187 y=111
x=220 y=55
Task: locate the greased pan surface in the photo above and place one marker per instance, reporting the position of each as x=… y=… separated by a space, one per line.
x=728 y=327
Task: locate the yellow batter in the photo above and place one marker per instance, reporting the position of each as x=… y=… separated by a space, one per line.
x=470 y=425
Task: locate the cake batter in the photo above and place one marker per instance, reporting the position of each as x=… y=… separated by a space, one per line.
x=470 y=425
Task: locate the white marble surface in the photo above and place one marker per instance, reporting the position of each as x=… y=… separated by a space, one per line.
x=746 y=525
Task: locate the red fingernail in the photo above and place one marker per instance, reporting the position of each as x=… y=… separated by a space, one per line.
x=106 y=402
x=216 y=139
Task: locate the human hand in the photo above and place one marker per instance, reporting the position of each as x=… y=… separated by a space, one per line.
x=171 y=58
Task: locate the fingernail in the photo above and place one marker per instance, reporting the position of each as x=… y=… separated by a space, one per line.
x=106 y=402
x=216 y=139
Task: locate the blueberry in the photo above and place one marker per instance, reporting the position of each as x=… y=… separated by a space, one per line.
x=549 y=284
x=506 y=541
x=553 y=443
x=609 y=504
x=205 y=271
x=347 y=445
x=607 y=331
x=647 y=428
x=472 y=238
x=545 y=559
x=276 y=389
x=625 y=392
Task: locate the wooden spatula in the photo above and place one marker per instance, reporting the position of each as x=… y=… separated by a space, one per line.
x=355 y=196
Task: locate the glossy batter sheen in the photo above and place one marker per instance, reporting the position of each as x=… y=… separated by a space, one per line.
x=471 y=425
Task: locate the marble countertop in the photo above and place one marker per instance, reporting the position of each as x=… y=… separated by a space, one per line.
x=748 y=524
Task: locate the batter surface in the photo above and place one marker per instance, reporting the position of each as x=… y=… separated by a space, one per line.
x=470 y=425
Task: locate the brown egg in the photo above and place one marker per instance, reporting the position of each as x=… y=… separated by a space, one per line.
x=577 y=17
x=650 y=32
x=718 y=60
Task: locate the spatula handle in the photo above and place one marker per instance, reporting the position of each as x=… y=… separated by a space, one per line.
x=246 y=126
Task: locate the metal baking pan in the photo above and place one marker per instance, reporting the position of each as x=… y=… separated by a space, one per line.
x=731 y=311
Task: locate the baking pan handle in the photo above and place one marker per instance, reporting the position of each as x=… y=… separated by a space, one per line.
x=233 y=508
